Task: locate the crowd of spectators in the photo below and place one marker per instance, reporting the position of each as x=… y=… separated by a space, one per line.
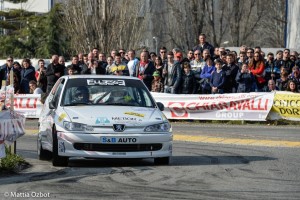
x=204 y=70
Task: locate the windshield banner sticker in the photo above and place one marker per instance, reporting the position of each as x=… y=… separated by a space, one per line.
x=105 y=82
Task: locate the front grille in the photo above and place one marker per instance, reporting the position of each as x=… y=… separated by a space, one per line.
x=117 y=147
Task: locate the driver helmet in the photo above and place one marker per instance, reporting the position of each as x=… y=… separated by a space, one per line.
x=118 y=94
x=81 y=94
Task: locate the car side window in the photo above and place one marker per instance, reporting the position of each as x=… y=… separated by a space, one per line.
x=57 y=91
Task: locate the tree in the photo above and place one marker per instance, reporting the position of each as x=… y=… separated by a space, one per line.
x=80 y=25
x=13 y=19
x=40 y=36
x=102 y=23
x=249 y=22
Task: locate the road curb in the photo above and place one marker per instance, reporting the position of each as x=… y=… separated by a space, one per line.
x=237 y=141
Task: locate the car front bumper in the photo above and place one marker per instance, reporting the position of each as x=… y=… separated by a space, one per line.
x=114 y=145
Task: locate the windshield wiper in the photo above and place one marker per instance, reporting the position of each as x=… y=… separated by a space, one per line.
x=118 y=104
x=76 y=104
x=123 y=104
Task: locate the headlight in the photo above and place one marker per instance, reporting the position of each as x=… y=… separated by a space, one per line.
x=164 y=127
x=73 y=126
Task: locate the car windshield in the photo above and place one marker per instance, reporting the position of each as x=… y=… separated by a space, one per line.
x=105 y=91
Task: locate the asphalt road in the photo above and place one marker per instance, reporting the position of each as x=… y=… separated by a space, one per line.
x=198 y=170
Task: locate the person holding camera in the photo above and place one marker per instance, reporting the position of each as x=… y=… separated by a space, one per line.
x=245 y=80
x=118 y=68
x=40 y=75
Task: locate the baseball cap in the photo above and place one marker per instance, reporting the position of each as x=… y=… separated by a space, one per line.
x=156 y=73
x=178 y=55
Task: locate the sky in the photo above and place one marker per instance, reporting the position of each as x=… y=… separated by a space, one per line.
x=41 y=6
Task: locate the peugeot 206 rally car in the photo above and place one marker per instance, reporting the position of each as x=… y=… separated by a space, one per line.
x=93 y=116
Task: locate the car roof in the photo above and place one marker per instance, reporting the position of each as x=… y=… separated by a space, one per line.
x=86 y=76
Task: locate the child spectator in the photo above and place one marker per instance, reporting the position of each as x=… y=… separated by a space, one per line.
x=217 y=80
x=188 y=84
x=242 y=59
x=245 y=79
x=71 y=70
x=34 y=89
x=283 y=81
x=157 y=85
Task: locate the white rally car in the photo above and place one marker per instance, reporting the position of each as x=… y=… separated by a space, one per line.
x=93 y=116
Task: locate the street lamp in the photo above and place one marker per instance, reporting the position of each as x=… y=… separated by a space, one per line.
x=155 y=39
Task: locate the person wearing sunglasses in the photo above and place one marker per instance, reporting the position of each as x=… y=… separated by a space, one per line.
x=286 y=61
x=122 y=52
x=6 y=68
x=163 y=54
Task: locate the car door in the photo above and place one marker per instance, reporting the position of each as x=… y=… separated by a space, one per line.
x=49 y=114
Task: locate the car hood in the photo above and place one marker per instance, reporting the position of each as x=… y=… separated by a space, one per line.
x=107 y=115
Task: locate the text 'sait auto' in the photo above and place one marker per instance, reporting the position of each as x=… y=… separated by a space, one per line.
x=93 y=116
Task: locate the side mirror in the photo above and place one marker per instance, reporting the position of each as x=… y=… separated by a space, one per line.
x=52 y=105
x=160 y=106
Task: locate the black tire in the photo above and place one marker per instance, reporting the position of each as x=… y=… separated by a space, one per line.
x=59 y=161
x=43 y=154
x=162 y=161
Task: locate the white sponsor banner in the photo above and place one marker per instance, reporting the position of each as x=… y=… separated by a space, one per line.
x=238 y=106
x=29 y=105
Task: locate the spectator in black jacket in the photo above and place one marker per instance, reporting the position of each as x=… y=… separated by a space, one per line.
x=204 y=45
x=286 y=61
x=6 y=68
x=231 y=70
x=188 y=83
x=172 y=74
x=54 y=72
x=245 y=80
x=27 y=75
x=75 y=65
x=146 y=69
x=93 y=68
x=272 y=72
x=282 y=82
x=218 y=78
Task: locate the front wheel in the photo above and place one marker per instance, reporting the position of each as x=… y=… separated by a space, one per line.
x=60 y=161
x=42 y=154
x=162 y=161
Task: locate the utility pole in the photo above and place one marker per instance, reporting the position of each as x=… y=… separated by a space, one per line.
x=156 y=45
x=286 y=22
x=2 y=18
